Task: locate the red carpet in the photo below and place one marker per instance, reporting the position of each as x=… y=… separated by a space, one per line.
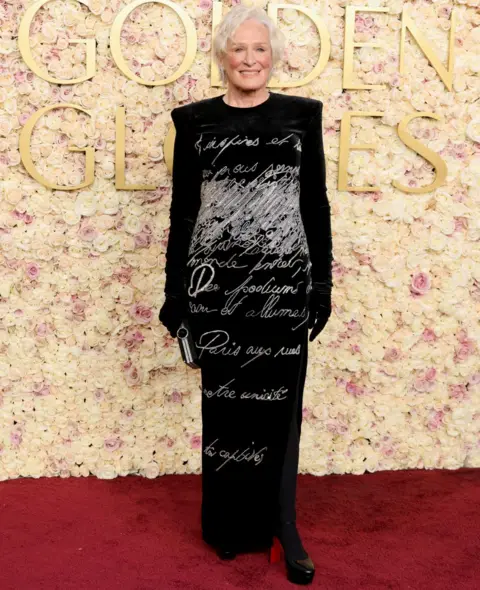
x=387 y=530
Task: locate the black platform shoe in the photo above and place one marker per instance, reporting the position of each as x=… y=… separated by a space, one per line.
x=300 y=568
x=225 y=553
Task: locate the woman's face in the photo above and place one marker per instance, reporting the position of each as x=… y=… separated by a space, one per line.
x=248 y=59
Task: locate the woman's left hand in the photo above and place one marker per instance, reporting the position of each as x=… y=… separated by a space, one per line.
x=320 y=309
x=317 y=326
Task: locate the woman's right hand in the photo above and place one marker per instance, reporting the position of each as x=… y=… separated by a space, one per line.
x=172 y=313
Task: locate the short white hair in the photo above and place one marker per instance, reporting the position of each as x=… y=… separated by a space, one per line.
x=232 y=20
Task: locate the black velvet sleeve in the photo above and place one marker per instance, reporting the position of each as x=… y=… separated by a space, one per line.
x=315 y=207
x=185 y=203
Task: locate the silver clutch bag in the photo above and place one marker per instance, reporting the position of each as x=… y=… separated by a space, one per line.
x=187 y=345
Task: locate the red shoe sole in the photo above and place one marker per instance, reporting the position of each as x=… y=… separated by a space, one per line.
x=275 y=551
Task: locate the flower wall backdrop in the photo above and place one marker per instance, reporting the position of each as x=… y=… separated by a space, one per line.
x=90 y=382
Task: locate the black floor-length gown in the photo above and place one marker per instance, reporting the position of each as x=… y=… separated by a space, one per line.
x=249 y=233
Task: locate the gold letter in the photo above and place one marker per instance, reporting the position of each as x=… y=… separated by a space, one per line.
x=345 y=148
x=120 y=156
x=273 y=14
x=117 y=51
x=26 y=53
x=350 y=45
x=427 y=153
x=215 y=79
x=445 y=75
x=168 y=146
x=25 y=136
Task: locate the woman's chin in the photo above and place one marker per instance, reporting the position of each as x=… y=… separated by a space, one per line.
x=253 y=83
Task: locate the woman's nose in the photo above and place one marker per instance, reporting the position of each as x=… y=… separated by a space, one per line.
x=250 y=57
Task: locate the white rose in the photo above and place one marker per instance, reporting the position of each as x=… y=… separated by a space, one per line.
x=103 y=322
x=102 y=243
x=86 y=203
x=71 y=217
x=132 y=224
x=109 y=203
x=105 y=471
x=151 y=471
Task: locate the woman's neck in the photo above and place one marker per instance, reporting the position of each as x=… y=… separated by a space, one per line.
x=237 y=97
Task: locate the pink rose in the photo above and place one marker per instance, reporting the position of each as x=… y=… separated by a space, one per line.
x=196 y=441
x=142 y=240
x=66 y=93
x=307 y=413
x=392 y=354
x=204 y=44
x=429 y=335
x=425 y=383
x=395 y=80
x=420 y=283
x=23 y=118
x=141 y=313
x=364 y=260
x=463 y=351
x=123 y=275
x=41 y=389
x=78 y=309
x=16 y=438
x=360 y=24
x=354 y=326
x=461 y=223
x=41 y=330
x=133 y=338
x=32 y=270
x=387 y=451
x=338 y=270
x=475 y=379
x=459 y=392
x=113 y=443
x=87 y=233
x=133 y=376
x=435 y=420
x=354 y=389
x=99 y=395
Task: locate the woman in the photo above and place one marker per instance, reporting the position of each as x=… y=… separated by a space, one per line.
x=248 y=266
